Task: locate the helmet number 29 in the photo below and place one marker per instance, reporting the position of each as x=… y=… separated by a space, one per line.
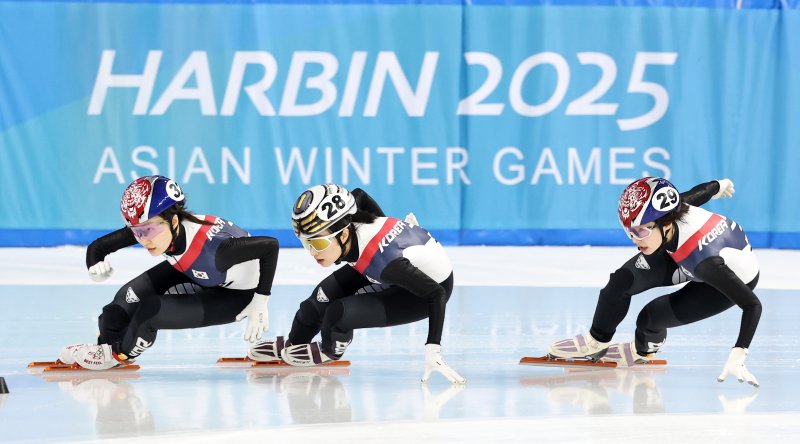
x=666 y=198
x=332 y=206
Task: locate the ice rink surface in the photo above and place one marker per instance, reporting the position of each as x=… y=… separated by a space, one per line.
x=508 y=303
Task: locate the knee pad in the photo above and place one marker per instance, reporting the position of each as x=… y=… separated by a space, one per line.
x=319 y=300
x=333 y=315
x=619 y=283
x=306 y=323
x=111 y=323
x=113 y=317
x=310 y=311
x=148 y=308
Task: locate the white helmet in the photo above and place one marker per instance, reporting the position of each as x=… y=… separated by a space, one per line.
x=319 y=208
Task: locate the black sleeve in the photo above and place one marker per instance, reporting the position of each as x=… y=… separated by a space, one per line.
x=402 y=273
x=105 y=245
x=700 y=194
x=242 y=249
x=714 y=272
x=365 y=202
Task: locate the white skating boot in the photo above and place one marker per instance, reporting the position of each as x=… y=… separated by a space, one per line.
x=97 y=357
x=267 y=351
x=581 y=346
x=67 y=354
x=625 y=355
x=306 y=355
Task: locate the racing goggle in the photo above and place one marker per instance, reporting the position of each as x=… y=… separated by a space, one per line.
x=149 y=230
x=639 y=232
x=321 y=243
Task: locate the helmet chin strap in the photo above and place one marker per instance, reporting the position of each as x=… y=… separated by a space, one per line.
x=660 y=227
x=175 y=232
x=341 y=245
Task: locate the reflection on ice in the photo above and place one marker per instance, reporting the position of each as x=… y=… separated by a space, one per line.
x=119 y=411
x=591 y=389
x=435 y=402
x=313 y=395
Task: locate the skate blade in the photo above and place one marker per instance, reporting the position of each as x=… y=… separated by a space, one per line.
x=38 y=367
x=652 y=362
x=582 y=362
x=565 y=362
x=75 y=368
x=38 y=364
x=251 y=363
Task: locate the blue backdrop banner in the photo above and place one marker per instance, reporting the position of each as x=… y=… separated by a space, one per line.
x=494 y=124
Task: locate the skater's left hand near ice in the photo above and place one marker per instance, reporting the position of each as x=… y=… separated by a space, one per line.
x=435 y=362
x=257 y=317
x=735 y=366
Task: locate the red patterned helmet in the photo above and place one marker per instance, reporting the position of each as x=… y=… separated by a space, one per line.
x=647 y=200
x=147 y=197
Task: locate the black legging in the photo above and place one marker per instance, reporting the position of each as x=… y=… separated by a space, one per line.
x=141 y=308
x=346 y=300
x=691 y=303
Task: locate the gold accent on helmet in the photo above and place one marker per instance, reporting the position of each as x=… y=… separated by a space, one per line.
x=315 y=227
x=309 y=218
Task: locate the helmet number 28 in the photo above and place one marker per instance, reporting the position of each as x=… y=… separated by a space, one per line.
x=666 y=198
x=332 y=206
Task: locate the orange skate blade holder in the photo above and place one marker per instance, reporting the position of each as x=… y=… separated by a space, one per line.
x=38 y=364
x=77 y=368
x=562 y=362
x=269 y=364
x=58 y=366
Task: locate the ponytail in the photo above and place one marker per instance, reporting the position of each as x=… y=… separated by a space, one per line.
x=183 y=214
x=368 y=209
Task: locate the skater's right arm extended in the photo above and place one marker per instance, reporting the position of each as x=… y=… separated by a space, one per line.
x=702 y=193
x=101 y=247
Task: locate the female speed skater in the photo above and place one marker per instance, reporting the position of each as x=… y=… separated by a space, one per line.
x=214 y=273
x=395 y=273
x=678 y=242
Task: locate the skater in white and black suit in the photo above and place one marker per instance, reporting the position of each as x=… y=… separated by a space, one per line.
x=396 y=273
x=679 y=242
x=214 y=273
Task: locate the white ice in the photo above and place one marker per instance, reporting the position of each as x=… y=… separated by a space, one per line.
x=509 y=302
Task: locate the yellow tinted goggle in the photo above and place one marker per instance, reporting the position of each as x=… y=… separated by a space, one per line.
x=319 y=244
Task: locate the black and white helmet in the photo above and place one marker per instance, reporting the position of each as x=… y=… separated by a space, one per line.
x=321 y=207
